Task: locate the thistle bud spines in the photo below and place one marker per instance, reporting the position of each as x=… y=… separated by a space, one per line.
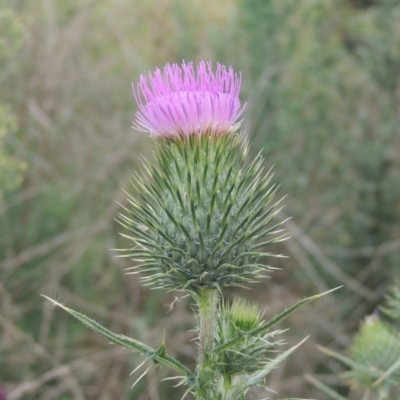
x=202 y=214
x=242 y=318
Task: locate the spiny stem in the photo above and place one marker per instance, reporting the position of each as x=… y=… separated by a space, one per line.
x=207 y=313
x=207 y=304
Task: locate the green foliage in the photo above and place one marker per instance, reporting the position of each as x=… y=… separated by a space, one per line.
x=11 y=34
x=229 y=371
x=323 y=104
x=11 y=168
x=158 y=356
x=203 y=222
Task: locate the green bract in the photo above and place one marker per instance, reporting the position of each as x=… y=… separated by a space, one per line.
x=203 y=216
x=248 y=356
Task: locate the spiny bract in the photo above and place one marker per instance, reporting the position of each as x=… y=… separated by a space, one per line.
x=203 y=217
x=250 y=355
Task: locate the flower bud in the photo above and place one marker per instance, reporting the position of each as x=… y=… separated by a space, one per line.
x=237 y=319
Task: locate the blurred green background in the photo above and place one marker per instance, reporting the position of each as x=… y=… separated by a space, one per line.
x=321 y=79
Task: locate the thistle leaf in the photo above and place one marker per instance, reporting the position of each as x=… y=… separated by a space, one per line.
x=157 y=356
x=257 y=377
x=267 y=325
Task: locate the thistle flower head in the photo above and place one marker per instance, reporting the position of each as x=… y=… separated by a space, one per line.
x=203 y=217
x=183 y=102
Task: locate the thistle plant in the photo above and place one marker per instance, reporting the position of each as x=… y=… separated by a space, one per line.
x=374 y=356
x=203 y=221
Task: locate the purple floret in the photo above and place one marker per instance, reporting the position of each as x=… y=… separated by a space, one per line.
x=182 y=102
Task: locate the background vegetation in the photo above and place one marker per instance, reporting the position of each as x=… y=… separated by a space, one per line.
x=322 y=83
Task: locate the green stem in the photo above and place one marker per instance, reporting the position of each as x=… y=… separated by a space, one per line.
x=207 y=313
x=207 y=303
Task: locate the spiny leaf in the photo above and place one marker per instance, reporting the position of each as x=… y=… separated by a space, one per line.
x=157 y=356
x=267 y=325
x=257 y=377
